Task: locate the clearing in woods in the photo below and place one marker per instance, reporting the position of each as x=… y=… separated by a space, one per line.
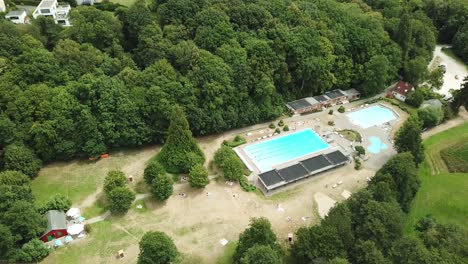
x=442 y=194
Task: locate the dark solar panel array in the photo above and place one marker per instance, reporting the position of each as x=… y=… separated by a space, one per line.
x=321 y=98
x=270 y=177
x=299 y=104
x=334 y=94
x=303 y=168
x=316 y=163
x=336 y=157
x=293 y=172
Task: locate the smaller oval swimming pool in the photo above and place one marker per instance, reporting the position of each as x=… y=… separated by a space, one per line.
x=376 y=145
x=371 y=116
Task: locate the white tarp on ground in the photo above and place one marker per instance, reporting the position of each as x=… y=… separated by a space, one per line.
x=74 y=213
x=75 y=229
x=223 y=241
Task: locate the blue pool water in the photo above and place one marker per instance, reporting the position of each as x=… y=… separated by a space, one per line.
x=376 y=145
x=279 y=150
x=371 y=116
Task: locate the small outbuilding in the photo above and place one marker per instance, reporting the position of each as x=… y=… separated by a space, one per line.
x=17 y=16
x=352 y=94
x=56 y=225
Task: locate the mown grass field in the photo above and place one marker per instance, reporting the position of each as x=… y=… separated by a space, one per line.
x=80 y=179
x=442 y=194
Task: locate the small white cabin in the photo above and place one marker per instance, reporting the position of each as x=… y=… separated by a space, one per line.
x=17 y=16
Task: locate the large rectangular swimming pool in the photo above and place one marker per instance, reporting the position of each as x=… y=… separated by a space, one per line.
x=371 y=116
x=276 y=151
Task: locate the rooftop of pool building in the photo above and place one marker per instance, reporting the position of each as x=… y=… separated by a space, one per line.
x=268 y=154
x=371 y=116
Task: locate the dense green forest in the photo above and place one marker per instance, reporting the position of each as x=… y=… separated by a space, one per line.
x=112 y=78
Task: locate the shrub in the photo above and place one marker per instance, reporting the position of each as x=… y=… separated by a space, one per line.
x=88 y=228
x=246 y=186
x=331 y=123
x=238 y=140
x=357 y=164
x=113 y=180
x=286 y=128
x=341 y=109
x=272 y=126
x=277 y=131
x=120 y=199
x=198 y=177
x=330 y=112
x=360 y=149
x=229 y=164
x=281 y=123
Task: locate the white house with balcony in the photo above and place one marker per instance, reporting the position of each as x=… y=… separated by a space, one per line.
x=51 y=8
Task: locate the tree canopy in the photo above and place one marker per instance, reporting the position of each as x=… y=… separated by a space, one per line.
x=259 y=233
x=408 y=138
x=157 y=248
x=180 y=151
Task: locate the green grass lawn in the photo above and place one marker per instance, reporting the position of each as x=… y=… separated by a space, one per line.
x=105 y=240
x=79 y=179
x=442 y=194
x=229 y=251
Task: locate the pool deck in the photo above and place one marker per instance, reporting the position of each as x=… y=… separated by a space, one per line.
x=252 y=166
x=318 y=122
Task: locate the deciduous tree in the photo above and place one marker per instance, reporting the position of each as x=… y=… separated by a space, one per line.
x=198 y=177
x=120 y=199
x=259 y=232
x=157 y=248
x=408 y=138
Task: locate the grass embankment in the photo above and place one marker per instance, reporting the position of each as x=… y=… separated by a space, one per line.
x=351 y=135
x=442 y=194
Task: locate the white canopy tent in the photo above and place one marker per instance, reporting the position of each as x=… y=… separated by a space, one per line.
x=74 y=213
x=75 y=229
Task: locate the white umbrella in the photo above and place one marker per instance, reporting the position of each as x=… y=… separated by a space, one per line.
x=75 y=229
x=73 y=212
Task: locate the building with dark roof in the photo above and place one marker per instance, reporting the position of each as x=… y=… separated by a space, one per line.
x=277 y=178
x=352 y=94
x=304 y=105
x=401 y=90
x=316 y=103
x=56 y=225
x=336 y=96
